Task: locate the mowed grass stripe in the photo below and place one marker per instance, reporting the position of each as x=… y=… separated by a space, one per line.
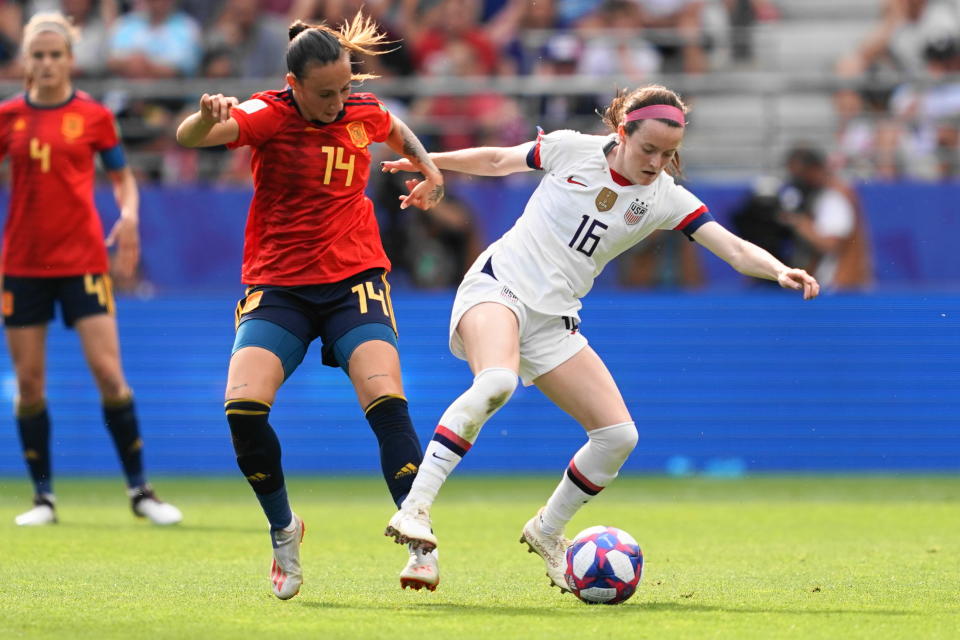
x=755 y=557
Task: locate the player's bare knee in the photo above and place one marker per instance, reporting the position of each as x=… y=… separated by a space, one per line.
x=496 y=385
x=30 y=387
x=110 y=384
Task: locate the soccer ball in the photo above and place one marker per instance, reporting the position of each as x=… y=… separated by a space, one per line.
x=604 y=565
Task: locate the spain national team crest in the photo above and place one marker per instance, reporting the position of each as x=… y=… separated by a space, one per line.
x=358 y=134
x=72 y=126
x=605 y=199
x=635 y=213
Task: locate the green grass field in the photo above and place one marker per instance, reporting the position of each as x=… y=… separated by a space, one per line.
x=759 y=557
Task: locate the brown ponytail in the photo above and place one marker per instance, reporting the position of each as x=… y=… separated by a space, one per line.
x=322 y=44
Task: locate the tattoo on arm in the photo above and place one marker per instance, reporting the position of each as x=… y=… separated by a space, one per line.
x=435 y=195
x=378 y=375
x=413 y=148
x=239 y=386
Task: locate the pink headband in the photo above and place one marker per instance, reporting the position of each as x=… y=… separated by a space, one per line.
x=661 y=111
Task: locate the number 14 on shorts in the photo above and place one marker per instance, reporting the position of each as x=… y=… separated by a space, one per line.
x=365 y=291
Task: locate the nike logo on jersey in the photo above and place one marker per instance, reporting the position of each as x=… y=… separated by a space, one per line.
x=572 y=181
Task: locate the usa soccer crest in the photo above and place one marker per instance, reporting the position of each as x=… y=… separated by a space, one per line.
x=635 y=213
x=358 y=134
x=605 y=199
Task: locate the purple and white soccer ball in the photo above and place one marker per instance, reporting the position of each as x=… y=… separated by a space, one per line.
x=604 y=565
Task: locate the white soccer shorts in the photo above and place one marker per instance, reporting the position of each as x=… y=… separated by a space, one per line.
x=546 y=341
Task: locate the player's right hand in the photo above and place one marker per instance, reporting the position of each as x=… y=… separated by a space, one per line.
x=393 y=166
x=216 y=108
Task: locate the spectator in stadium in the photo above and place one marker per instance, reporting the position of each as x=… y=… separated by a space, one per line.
x=481 y=117
x=155 y=41
x=928 y=112
x=93 y=20
x=561 y=56
x=244 y=43
x=831 y=238
x=742 y=15
x=517 y=309
x=54 y=253
x=315 y=266
x=899 y=40
x=612 y=46
x=11 y=20
x=570 y=12
x=867 y=137
x=437 y=34
x=510 y=26
x=681 y=24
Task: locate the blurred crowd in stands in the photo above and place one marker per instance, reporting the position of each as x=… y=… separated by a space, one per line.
x=231 y=39
x=896 y=93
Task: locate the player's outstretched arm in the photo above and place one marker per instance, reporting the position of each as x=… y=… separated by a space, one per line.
x=479 y=161
x=211 y=125
x=126 y=232
x=751 y=260
x=428 y=192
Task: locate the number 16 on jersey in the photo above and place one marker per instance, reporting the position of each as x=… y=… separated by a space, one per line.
x=589 y=240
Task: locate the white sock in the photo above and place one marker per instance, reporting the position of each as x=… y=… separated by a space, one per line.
x=593 y=467
x=459 y=427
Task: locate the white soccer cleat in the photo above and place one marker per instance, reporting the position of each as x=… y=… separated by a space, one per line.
x=552 y=548
x=411 y=525
x=422 y=570
x=43 y=513
x=146 y=504
x=285 y=572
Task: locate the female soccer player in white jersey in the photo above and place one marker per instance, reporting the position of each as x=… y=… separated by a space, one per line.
x=516 y=311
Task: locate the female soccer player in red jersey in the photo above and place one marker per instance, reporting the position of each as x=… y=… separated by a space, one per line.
x=315 y=266
x=54 y=251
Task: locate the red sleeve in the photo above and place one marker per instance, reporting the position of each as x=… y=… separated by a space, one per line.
x=259 y=119
x=383 y=123
x=6 y=128
x=375 y=115
x=105 y=130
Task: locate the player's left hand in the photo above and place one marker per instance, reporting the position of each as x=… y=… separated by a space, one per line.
x=392 y=166
x=126 y=236
x=799 y=280
x=423 y=193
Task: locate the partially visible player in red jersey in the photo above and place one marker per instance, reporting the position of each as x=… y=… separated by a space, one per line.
x=54 y=251
x=315 y=266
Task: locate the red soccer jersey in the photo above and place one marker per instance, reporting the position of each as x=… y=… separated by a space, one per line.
x=52 y=226
x=310 y=221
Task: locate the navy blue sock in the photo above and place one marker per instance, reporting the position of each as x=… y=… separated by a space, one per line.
x=400 y=452
x=258 y=456
x=33 y=423
x=276 y=506
x=121 y=421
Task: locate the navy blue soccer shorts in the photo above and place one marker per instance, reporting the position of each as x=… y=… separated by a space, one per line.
x=29 y=301
x=342 y=314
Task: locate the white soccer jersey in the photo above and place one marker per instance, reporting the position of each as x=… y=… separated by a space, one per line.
x=579 y=218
